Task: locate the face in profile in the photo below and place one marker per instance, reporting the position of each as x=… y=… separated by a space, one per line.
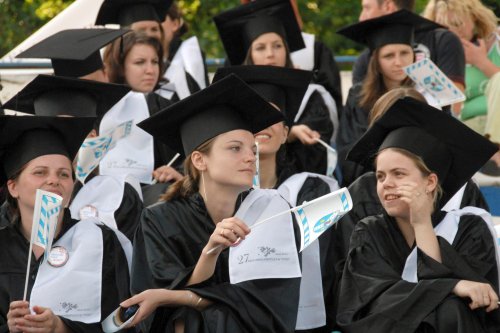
x=268 y=49
x=231 y=161
x=52 y=173
x=142 y=68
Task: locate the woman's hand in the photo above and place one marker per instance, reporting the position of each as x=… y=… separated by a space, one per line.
x=420 y=203
x=481 y=294
x=17 y=311
x=227 y=232
x=148 y=301
x=475 y=54
x=165 y=174
x=43 y=321
x=304 y=134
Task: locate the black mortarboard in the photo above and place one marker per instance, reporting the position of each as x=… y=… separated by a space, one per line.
x=23 y=138
x=395 y=28
x=238 y=27
x=126 y=12
x=49 y=95
x=449 y=148
x=226 y=105
x=284 y=87
x=74 y=52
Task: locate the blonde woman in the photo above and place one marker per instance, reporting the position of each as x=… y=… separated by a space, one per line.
x=476 y=25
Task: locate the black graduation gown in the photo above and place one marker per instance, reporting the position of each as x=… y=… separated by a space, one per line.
x=312 y=158
x=374 y=297
x=311 y=189
x=167 y=246
x=14 y=257
x=353 y=124
x=326 y=72
x=128 y=214
x=366 y=203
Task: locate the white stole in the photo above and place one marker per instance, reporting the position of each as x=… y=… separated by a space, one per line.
x=304 y=58
x=187 y=59
x=329 y=102
x=269 y=251
x=134 y=154
x=105 y=195
x=311 y=301
x=73 y=291
x=447 y=229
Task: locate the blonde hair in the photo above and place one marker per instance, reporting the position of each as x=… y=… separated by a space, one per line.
x=485 y=21
x=389 y=98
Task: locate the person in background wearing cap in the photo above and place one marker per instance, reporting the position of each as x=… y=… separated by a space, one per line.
x=364 y=189
x=390 y=40
x=139 y=15
x=264 y=33
x=185 y=61
x=67 y=97
x=439 y=45
x=136 y=61
x=477 y=27
x=70 y=291
x=416 y=268
x=174 y=272
x=284 y=88
x=75 y=52
x=318 y=58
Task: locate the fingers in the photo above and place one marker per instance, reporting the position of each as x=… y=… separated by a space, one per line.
x=165 y=174
x=132 y=301
x=230 y=231
x=493 y=298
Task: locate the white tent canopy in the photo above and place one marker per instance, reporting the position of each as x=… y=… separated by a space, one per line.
x=80 y=14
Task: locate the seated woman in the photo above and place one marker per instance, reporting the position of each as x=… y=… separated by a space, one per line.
x=70 y=291
x=285 y=88
x=414 y=268
x=390 y=40
x=264 y=33
x=364 y=189
x=135 y=61
x=180 y=266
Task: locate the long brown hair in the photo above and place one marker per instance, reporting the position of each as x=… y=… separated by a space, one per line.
x=115 y=54
x=373 y=86
x=190 y=183
x=288 y=61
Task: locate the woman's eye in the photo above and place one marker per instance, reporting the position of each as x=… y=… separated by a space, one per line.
x=235 y=148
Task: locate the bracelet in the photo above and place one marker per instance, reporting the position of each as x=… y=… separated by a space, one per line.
x=199 y=301
x=195 y=305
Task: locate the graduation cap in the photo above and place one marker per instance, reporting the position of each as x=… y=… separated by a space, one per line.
x=224 y=106
x=449 y=148
x=284 y=87
x=49 y=95
x=74 y=52
x=23 y=138
x=126 y=12
x=240 y=26
x=396 y=28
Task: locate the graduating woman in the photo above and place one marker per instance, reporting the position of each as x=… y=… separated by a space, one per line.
x=119 y=198
x=284 y=88
x=415 y=268
x=390 y=39
x=180 y=266
x=70 y=291
x=264 y=33
x=136 y=60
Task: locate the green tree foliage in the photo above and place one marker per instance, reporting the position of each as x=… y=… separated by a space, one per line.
x=20 y=18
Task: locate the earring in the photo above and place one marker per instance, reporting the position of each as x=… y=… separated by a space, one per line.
x=427 y=191
x=204 y=188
